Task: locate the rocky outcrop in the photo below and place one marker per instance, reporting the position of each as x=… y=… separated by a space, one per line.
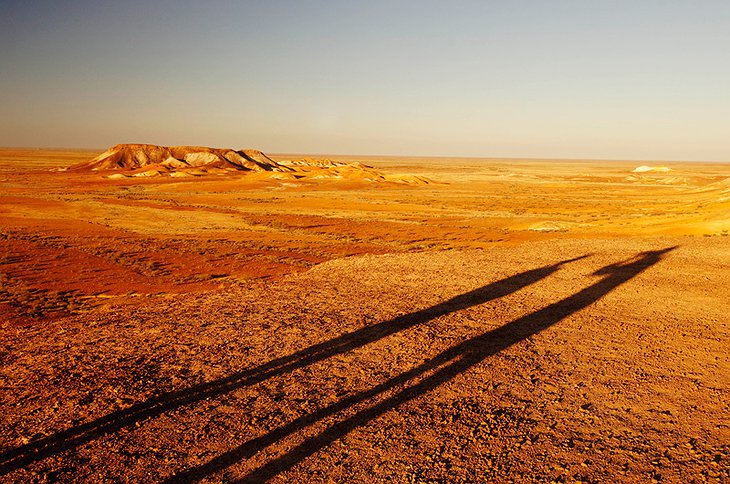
x=142 y=160
x=131 y=157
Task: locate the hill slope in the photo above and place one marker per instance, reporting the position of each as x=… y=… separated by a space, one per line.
x=144 y=160
x=174 y=158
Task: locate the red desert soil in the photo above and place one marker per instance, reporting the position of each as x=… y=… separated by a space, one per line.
x=521 y=320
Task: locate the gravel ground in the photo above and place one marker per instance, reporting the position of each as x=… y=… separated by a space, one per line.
x=562 y=360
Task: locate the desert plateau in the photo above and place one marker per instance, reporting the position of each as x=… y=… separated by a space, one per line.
x=192 y=314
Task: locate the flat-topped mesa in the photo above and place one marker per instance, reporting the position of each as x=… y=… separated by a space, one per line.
x=651 y=169
x=142 y=160
x=179 y=158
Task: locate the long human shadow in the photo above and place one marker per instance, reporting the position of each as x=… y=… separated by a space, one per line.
x=422 y=379
x=73 y=437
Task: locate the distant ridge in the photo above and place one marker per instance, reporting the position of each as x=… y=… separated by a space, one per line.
x=143 y=160
x=175 y=158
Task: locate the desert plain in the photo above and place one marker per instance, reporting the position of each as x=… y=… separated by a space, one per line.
x=365 y=319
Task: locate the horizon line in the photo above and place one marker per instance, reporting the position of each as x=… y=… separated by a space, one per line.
x=412 y=156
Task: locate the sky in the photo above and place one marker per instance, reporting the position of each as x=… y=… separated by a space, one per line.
x=612 y=79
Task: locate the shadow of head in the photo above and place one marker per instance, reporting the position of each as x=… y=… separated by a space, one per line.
x=639 y=261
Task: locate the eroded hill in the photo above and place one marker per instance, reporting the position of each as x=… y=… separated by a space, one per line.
x=133 y=157
x=144 y=160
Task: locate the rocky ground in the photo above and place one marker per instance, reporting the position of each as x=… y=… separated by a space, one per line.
x=559 y=360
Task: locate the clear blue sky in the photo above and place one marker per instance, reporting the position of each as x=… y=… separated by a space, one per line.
x=551 y=78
